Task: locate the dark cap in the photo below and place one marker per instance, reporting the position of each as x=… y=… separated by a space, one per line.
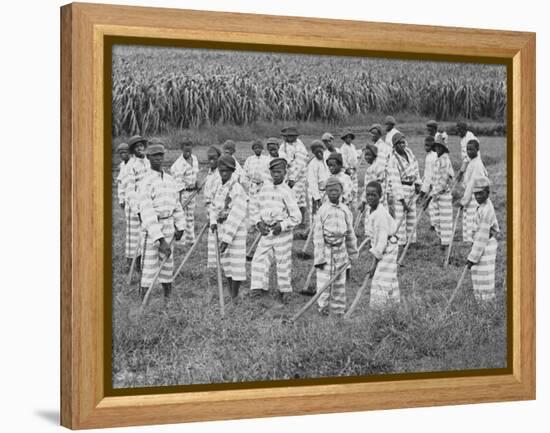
x=431 y=124
x=390 y=120
x=337 y=157
x=377 y=127
x=397 y=137
x=277 y=162
x=291 y=130
x=155 y=146
x=228 y=162
x=273 y=140
x=257 y=143
x=316 y=144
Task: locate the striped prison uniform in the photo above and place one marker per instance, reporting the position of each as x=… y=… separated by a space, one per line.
x=317 y=175
x=347 y=188
x=160 y=212
x=350 y=159
x=384 y=151
x=256 y=170
x=402 y=175
x=474 y=170
x=211 y=185
x=231 y=201
x=464 y=143
x=375 y=171
x=484 y=251
x=427 y=181
x=120 y=183
x=442 y=198
x=186 y=183
x=277 y=204
x=334 y=243
x=381 y=230
x=296 y=156
x=389 y=136
x=136 y=170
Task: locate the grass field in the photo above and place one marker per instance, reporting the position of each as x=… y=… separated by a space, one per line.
x=188 y=343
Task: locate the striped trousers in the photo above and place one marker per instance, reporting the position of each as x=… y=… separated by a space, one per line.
x=134 y=234
x=385 y=286
x=408 y=225
x=483 y=273
x=233 y=260
x=152 y=257
x=443 y=217
x=273 y=247
x=188 y=237
x=334 y=296
x=253 y=205
x=468 y=216
x=431 y=214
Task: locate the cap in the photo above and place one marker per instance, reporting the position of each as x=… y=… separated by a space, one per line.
x=316 y=144
x=291 y=130
x=272 y=140
x=155 y=146
x=228 y=162
x=481 y=183
x=348 y=134
x=135 y=140
x=390 y=119
x=214 y=149
x=336 y=156
x=377 y=127
x=372 y=148
x=333 y=181
x=276 y=162
x=121 y=147
x=397 y=137
x=257 y=143
x=327 y=136
x=431 y=124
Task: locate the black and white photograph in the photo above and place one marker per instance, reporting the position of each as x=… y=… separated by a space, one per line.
x=289 y=216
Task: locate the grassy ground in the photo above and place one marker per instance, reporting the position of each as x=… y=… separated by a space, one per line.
x=187 y=342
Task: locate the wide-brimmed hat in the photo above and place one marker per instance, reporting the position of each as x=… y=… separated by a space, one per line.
x=277 y=162
x=440 y=139
x=348 y=134
x=155 y=146
x=134 y=140
x=327 y=136
x=389 y=120
x=228 y=162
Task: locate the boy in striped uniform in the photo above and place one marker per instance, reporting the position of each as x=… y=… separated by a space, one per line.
x=211 y=185
x=229 y=148
x=383 y=149
x=317 y=175
x=123 y=152
x=334 y=245
x=375 y=171
x=380 y=228
x=350 y=158
x=296 y=156
x=228 y=216
x=185 y=175
x=255 y=168
x=482 y=257
x=431 y=157
x=335 y=164
x=328 y=140
x=391 y=130
x=474 y=170
x=441 y=194
x=404 y=181
x=162 y=219
x=279 y=214
x=136 y=169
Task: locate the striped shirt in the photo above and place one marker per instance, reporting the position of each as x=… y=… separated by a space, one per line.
x=380 y=227
x=277 y=204
x=401 y=171
x=296 y=156
x=121 y=182
x=431 y=157
x=317 y=174
x=211 y=185
x=474 y=170
x=256 y=168
x=442 y=175
x=184 y=174
x=333 y=226
x=485 y=227
x=136 y=170
x=230 y=201
x=350 y=156
x=158 y=200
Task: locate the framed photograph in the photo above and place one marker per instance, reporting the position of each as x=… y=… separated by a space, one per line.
x=266 y=216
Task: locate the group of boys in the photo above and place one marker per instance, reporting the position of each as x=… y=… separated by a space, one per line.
x=273 y=192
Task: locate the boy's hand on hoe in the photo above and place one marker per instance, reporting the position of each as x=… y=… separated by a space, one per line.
x=291 y=183
x=213 y=227
x=320 y=266
x=362 y=206
x=417 y=188
x=405 y=207
x=277 y=229
x=469 y=264
x=178 y=235
x=263 y=228
x=223 y=247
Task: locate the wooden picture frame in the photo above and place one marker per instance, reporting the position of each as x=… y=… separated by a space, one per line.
x=84 y=27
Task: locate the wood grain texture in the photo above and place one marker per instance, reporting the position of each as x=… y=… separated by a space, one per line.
x=83 y=400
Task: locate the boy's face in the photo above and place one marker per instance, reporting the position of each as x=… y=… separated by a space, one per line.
x=428 y=146
x=318 y=152
x=228 y=151
x=369 y=156
x=347 y=139
x=156 y=161
x=329 y=144
x=186 y=151
x=481 y=196
x=389 y=127
x=333 y=166
x=278 y=174
x=213 y=160
x=439 y=149
x=372 y=196
x=225 y=173
x=432 y=130
x=471 y=150
x=139 y=149
x=124 y=155
x=257 y=150
x=375 y=135
x=334 y=192
x=400 y=147
x=290 y=138
x=273 y=150
x=461 y=131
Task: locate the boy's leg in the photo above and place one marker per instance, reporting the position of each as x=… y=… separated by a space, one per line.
x=410 y=221
x=261 y=262
x=402 y=232
x=282 y=246
x=483 y=273
x=446 y=218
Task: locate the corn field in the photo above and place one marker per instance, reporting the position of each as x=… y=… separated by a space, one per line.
x=160 y=89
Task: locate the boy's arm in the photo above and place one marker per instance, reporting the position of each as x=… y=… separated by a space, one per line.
x=294 y=216
x=236 y=216
x=149 y=219
x=481 y=238
x=318 y=242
